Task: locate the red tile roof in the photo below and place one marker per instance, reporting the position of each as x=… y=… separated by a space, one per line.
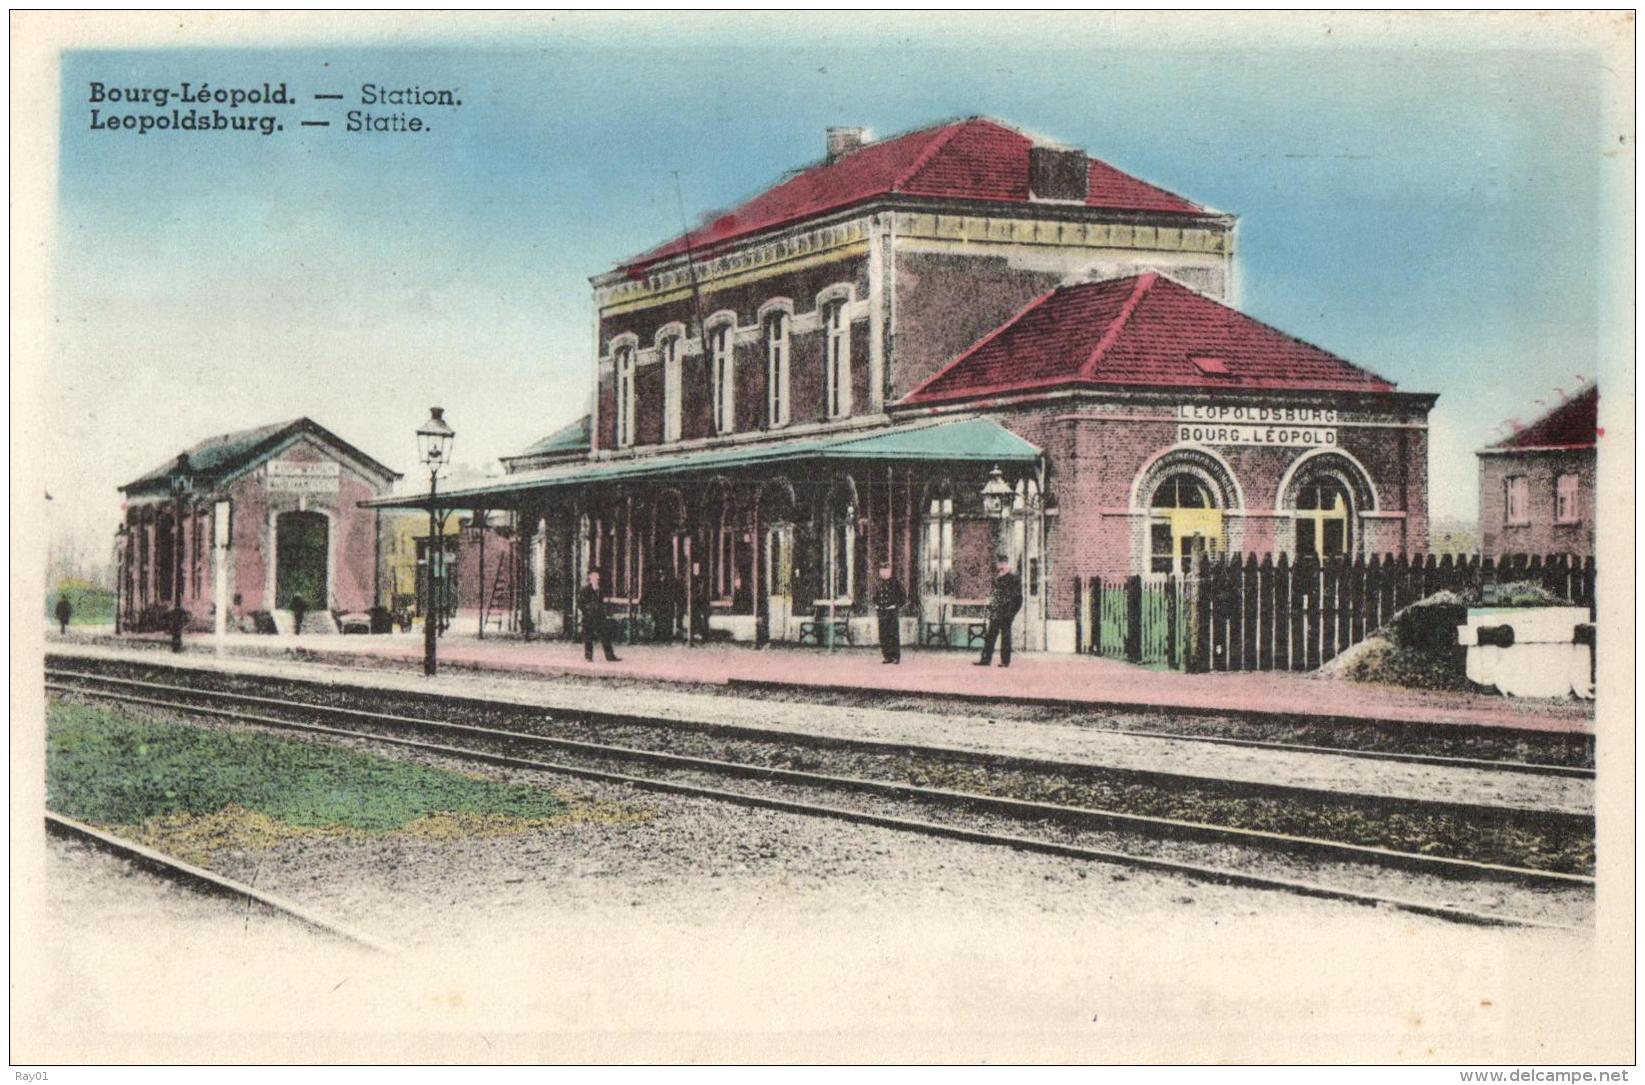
x=1572 y=424
x=973 y=159
x=1144 y=330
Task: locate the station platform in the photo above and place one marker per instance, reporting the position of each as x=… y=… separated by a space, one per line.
x=942 y=677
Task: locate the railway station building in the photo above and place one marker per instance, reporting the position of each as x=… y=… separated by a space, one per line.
x=277 y=510
x=936 y=351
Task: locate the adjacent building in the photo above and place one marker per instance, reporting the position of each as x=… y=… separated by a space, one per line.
x=279 y=509
x=933 y=352
x=1536 y=488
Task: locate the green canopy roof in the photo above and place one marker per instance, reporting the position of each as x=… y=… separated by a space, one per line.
x=968 y=440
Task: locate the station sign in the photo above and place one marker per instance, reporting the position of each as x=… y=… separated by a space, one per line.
x=304 y=477
x=1256 y=424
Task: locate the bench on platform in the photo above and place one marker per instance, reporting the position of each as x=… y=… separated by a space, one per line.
x=821 y=625
x=969 y=614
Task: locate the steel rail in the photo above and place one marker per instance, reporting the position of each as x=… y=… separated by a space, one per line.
x=208 y=881
x=941 y=797
x=1147 y=776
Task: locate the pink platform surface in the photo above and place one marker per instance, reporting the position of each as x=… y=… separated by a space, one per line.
x=952 y=677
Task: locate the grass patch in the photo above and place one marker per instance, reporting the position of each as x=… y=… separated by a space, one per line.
x=92 y=605
x=114 y=769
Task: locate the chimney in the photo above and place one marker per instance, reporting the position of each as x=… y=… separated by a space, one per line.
x=1057 y=173
x=842 y=141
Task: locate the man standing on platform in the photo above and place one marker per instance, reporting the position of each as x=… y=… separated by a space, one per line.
x=591 y=604
x=888 y=600
x=1003 y=603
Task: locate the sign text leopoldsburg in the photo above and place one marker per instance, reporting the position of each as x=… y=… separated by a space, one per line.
x=1256 y=424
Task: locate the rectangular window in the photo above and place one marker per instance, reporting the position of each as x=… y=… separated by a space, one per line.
x=723 y=376
x=625 y=397
x=837 y=359
x=1517 y=499
x=1565 y=500
x=776 y=377
x=669 y=353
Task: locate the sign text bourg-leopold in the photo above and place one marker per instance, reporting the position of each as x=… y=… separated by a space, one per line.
x=1230 y=424
x=294 y=476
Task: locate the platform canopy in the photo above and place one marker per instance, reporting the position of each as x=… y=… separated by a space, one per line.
x=977 y=440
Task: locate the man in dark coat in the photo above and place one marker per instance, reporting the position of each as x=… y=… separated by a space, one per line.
x=888 y=600
x=591 y=604
x=65 y=611
x=1003 y=603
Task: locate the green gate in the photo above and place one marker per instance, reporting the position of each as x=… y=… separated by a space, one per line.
x=1144 y=619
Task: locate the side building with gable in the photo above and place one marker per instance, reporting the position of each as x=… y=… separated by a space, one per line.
x=1537 y=487
x=280 y=505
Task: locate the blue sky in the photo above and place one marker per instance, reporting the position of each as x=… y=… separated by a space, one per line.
x=1445 y=207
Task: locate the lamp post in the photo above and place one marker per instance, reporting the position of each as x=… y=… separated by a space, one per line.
x=434 y=439
x=182 y=484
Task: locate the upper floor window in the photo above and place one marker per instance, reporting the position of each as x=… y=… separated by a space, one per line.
x=1517 y=499
x=776 y=373
x=668 y=352
x=1565 y=499
x=625 y=396
x=837 y=359
x=723 y=378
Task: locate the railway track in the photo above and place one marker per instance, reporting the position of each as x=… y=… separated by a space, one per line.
x=1533 y=768
x=1408 y=732
x=1058 y=828
x=207 y=881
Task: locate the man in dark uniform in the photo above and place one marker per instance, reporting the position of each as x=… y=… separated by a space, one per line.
x=65 y=611
x=591 y=604
x=888 y=600
x=1003 y=603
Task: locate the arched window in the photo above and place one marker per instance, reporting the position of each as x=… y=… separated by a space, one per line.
x=837 y=359
x=668 y=352
x=776 y=372
x=1324 y=518
x=625 y=396
x=722 y=377
x=1325 y=493
x=1184 y=523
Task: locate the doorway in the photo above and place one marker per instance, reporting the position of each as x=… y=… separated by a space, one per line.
x=301 y=559
x=779 y=579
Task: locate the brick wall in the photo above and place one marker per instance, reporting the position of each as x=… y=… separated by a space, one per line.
x=945 y=303
x=1541 y=535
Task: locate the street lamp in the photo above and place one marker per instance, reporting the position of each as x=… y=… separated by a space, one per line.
x=182 y=485
x=434 y=439
x=997 y=494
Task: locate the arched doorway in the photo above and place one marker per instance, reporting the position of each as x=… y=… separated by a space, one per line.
x=1182 y=499
x=1184 y=523
x=839 y=542
x=777 y=503
x=937 y=552
x=302 y=559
